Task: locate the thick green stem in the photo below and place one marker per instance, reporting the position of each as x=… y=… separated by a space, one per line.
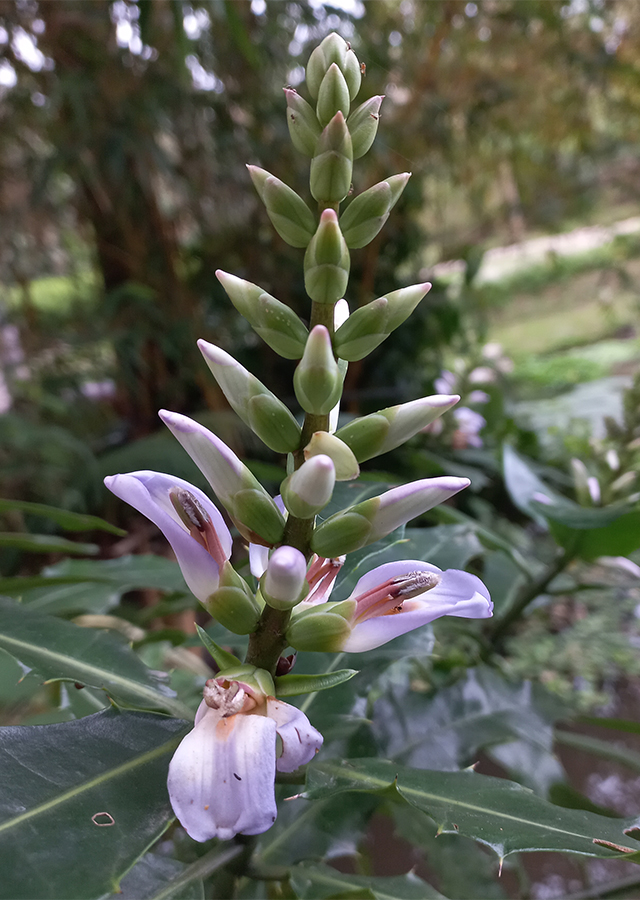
x=268 y=641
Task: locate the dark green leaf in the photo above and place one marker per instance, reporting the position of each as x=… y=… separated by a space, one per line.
x=153 y=874
x=500 y=814
x=70 y=521
x=81 y=801
x=223 y=658
x=45 y=543
x=62 y=650
x=603 y=749
x=319 y=881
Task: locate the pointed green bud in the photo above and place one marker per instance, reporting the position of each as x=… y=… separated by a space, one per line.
x=255 y=514
x=323 y=628
x=367 y=213
x=373 y=519
x=256 y=405
x=289 y=214
x=333 y=49
x=333 y=96
x=284 y=583
x=332 y=163
x=304 y=127
x=389 y=428
x=233 y=603
x=363 y=125
x=317 y=381
x=276 y=323
x=344 y=461
x=368 y=326
x=308 y=490
x=327 y=261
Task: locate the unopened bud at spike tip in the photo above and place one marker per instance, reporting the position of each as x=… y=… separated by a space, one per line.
x=333 y=49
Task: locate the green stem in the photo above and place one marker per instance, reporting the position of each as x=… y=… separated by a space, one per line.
x=268 y=641
x=202 y=868
x=503 y=623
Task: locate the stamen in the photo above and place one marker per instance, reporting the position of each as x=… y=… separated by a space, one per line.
x=388 y=597
x=198 y=522
x=229 y=697
x=320 y=577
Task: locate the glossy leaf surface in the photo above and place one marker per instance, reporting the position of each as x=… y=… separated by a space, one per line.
x=500 y=814
x=82 y=801
x=62 y=650
x=316 y=882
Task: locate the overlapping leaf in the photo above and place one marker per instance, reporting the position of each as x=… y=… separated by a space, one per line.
x=62 y=650
x=501 y=814
x=82 y=801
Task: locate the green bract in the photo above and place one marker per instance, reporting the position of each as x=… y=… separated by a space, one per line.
x=317 y=380
x=332 y=163
x=289 y=214
x=327 y=261
x=233 y=603
x=363 y=125
x=276 y=323
x=367 y=213
x=333 y=96
x=304 y=127
x=256 y=405
x=368 y=326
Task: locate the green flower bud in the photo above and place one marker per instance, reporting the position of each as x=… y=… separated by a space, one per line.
x=389 y=428
x=254 y=514
x=233 y=603
x=327 y=261
x=368 y=326
x=323 y=628
x=317 y=381
x=284 y=583
x=332 y=163
x=308 y=490
x=347 y=531
x=304 y=127
x=363 y=125
x=333 y=49
x=333 y=96
x=289 y=214
x=276 y=323
x=367 y=213
x=345 y=463
x=257 y=406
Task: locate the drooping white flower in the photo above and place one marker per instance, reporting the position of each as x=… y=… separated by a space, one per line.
x=221 y=778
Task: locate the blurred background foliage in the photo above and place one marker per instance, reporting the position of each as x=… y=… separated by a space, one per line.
x=124 y=129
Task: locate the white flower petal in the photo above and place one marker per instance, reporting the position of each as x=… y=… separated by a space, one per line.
x=221 y=778
x=458 y=594
x=300 y=740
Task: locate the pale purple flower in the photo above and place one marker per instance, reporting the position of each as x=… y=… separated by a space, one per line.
x=469 y=424
x=190 y=522
x=221 y=778
x=446 y=383
x=398 y=597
